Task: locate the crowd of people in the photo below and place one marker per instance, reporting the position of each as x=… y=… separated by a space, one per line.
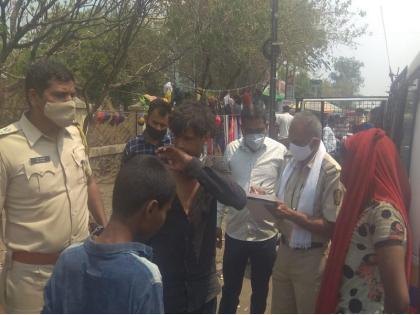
x=332 y=239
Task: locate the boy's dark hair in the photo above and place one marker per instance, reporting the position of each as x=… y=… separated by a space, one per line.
x=198 y=117
x=159 y=104
x=40 y=74
x=142 y=178
x=254 y=112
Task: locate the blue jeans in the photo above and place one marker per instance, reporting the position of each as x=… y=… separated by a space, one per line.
x=262 y=256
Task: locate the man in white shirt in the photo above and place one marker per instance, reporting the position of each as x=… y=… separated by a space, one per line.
x=329 y=139
x=283 y=122
x=256 y=162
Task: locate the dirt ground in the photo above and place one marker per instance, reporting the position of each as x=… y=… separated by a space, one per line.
x=244 y=304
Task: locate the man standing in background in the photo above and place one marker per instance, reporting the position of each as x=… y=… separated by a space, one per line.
x=256 y=162
x=156 y=133
x=283 y=122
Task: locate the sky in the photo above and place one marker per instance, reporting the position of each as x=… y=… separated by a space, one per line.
x=402 y=23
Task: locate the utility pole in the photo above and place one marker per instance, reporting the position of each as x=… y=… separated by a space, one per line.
x=273 y=69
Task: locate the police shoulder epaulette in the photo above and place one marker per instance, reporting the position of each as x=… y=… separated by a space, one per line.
x=12 y=128
x=82 y=136
x=331 y=167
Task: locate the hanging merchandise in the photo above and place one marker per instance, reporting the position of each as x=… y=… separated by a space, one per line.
x=107 y=116
x=232 y=129
x=238 y=134
x=218 y=120
x=100 y=117
x=210 y=147
x=112 y=121
x=116 y=118
x=144 y=101
x=167 y=91
x=141 y=120
x=226 y=129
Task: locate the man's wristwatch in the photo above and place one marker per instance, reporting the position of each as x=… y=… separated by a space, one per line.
x=97 y=230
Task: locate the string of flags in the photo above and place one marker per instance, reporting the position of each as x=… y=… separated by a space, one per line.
x=168 y=90
x=116 y=118
x=113 y=118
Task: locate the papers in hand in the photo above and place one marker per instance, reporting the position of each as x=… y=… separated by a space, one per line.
x=264 y=198
x=262 y=207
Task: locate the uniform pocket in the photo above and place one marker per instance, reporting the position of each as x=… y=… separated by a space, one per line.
x=43 y=177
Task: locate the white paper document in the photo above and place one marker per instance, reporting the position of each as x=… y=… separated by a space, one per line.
x=259 y=205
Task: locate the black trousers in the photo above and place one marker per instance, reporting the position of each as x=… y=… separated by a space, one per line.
x=262 y=256
x=208 y=308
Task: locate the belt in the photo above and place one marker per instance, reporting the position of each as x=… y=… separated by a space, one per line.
x=285 y=241
x=35 y=258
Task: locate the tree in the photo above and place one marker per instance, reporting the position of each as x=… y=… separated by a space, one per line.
x=93 y=37
x=225 y=38
x=121 y=48
x=346 y=79
x=30 y=26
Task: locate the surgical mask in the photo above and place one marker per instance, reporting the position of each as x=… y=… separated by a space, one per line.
x=62 y=114
x=154 y=133
x=254 y=141
x=300 y=153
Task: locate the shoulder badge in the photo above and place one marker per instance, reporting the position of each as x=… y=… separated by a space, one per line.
x=8 y=130
x=338 y=195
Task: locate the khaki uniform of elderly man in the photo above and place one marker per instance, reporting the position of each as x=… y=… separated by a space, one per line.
x=46 y=187
x=310 y=194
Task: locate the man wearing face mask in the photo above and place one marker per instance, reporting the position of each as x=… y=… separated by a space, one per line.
x=156 y=133
x=256 y=163
x=310 y=194
x=46 y=187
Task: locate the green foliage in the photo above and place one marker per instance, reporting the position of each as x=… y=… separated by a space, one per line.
x=346 y=79
x=120 y=49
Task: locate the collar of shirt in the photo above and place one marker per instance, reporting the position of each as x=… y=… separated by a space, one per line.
x=101 y=249
x=32 y=133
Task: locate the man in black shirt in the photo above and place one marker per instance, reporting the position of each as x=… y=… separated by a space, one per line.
x=185 y=248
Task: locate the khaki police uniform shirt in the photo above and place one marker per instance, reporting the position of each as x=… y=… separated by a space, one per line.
x=328 y=196
x=43 y=188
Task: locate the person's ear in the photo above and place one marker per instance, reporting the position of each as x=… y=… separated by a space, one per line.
x=151 y=207
x=34 y=99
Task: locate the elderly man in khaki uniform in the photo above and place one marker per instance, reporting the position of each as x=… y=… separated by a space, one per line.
x=311 y=194
x=46 y=185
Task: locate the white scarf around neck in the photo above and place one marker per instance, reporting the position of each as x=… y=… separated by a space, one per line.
x=301 y=238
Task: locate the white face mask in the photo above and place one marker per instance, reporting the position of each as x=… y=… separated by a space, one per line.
x=254 y=141
x=62 y=114
x=300 y=153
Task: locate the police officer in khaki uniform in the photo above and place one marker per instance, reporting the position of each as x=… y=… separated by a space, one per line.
x=305 y=235
x=46 y=187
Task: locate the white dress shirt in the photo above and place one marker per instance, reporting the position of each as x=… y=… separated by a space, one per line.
x=263 y=169
x=284 y=120
x=329 y=139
